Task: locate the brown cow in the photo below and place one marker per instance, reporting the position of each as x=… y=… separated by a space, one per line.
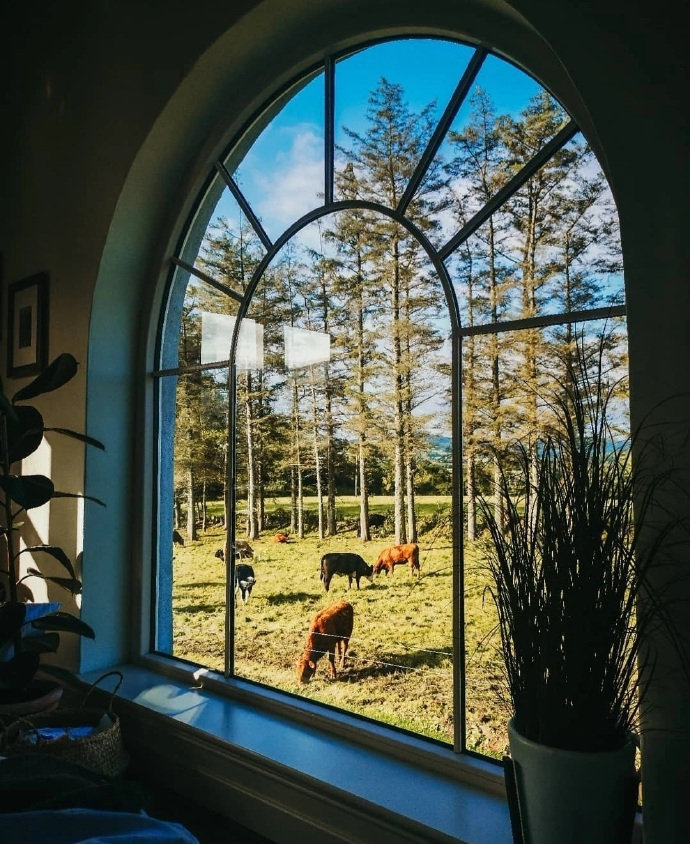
x=394 y=555
x=330 y=628
x=281 y=537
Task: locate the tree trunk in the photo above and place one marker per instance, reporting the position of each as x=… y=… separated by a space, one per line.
x=317 y=460
x=252 y=525
x=191 y=506
x=398 y=411
x=364 y=533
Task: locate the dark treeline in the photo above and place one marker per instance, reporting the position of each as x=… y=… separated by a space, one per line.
x=362 y=404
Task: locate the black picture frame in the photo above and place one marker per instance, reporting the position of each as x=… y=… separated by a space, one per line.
x=27 y=326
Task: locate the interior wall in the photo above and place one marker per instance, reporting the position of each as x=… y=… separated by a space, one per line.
x=113 y=119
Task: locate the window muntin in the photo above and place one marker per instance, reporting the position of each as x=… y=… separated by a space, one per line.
x=381 y=209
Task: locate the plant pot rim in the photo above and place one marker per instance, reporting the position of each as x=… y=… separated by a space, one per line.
x=514 y=733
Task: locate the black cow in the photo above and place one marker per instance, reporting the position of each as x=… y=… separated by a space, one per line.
x=244 y=580
x=177 y=538
x=344 y=562
x=376 y=520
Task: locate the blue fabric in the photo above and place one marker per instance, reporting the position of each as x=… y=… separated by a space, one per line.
x=86 y=826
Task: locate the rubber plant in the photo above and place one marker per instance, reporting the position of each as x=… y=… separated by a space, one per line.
x=29 y=629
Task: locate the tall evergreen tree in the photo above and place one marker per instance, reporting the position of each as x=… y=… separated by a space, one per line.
x=383 y=160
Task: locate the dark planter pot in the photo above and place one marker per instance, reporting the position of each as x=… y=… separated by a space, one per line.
x=572 y=797
x=40 y=697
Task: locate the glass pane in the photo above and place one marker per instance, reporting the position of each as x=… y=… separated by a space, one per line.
x=505 y=120
x=192 y=620
x=388 y=100
x=230 y=249
x=507 y=382
x=282 y=174
x=355 y=382
x=552 y=248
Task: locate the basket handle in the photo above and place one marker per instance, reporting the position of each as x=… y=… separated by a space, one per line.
x=95 y=683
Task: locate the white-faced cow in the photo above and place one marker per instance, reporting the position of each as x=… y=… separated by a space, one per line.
x=344 y=562
x=244 y=580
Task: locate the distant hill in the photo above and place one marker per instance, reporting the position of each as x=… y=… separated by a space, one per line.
x=440 y=449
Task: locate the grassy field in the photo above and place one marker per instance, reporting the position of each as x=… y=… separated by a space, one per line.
x=399 y=667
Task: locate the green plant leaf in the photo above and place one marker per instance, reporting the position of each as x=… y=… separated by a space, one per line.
x=59 y=372
x=71 y=584
x=43 y=644
x=24 y=433
x=28 y=490
x=58 y=672
x=18 y=671
x=55 y=552
x=77 y=436
x=12 y=617
x=7 y=407
x=66 y=623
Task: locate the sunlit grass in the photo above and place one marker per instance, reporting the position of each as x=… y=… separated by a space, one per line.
x=399 y=666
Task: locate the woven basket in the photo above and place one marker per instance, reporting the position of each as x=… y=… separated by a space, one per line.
x=101 y=751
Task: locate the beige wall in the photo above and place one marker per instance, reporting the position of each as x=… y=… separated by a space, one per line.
x=111 y=118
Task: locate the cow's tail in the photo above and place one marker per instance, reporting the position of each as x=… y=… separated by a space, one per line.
x=321 y=572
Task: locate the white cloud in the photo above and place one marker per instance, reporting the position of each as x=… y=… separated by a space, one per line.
x=287 y=187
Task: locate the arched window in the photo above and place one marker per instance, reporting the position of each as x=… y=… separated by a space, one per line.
x=380 y=277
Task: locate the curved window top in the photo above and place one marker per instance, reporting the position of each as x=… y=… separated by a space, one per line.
x=477 y=146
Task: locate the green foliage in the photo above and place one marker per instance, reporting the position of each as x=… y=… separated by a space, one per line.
x=399 y=667
x=29 y=629
x=570 y=563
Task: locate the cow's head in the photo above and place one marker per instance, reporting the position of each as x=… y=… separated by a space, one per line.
x=305 y=669
x=369 y=573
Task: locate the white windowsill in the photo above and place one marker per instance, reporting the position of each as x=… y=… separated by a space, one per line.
x=427 y=793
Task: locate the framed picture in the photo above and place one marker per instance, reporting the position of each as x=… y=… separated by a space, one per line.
x=27 y=326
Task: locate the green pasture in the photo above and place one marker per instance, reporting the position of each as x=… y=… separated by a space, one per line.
x=399 y=665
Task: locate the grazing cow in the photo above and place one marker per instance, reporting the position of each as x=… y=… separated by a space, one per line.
x=281 y=537
x=376 y=520
x=243 y=549
x=394 y=555
x=331 y=628
x=177 y=538
x=244 y=580
x=343 y=562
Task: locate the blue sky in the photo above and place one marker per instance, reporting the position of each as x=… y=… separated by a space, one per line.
x=282 y=174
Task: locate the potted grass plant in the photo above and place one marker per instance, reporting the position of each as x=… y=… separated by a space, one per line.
x=569 y=556
x=29 y=629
